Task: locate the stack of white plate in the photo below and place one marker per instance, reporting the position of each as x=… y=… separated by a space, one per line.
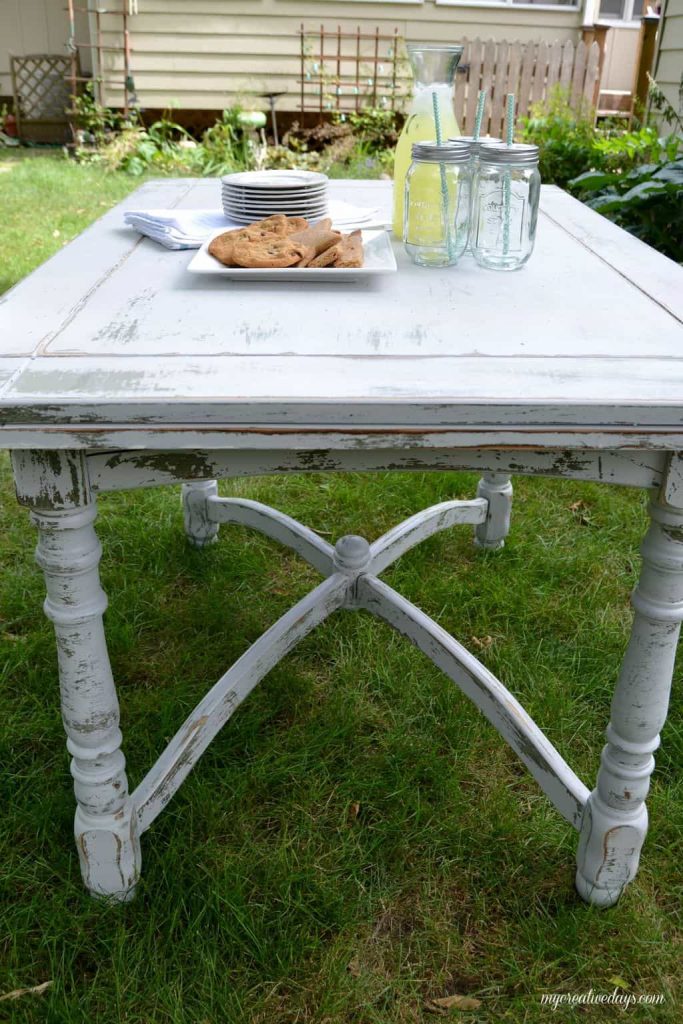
x=251 y=195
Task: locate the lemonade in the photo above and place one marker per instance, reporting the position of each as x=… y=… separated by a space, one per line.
x=434 y=72
x=419 y=128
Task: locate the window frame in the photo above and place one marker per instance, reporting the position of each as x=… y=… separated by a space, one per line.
x=628 y=21
x=506 y=5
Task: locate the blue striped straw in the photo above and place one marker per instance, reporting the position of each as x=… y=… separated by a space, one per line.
x=507 y=182
x=479 y=116
x=442 y=171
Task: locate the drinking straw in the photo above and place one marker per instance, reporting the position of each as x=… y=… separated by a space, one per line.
x=479 y=116
x=442 y=171
x=507 y=183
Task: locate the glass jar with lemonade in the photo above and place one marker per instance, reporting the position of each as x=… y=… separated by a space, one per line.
x=434 y=73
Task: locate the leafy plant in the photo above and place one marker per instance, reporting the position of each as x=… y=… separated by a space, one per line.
x=374 y=129
x=647 y=201
x=157 y=147
x=565 y=137
x=227 y=145
x=622 y=151
x=94 y=121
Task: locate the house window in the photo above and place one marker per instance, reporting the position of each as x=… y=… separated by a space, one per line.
x=621 y=10
x=568 y=4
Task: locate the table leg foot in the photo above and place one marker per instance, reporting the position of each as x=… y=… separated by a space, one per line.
x=496 y=488
x=55 y=486
x=614 y=823
x=199 y=529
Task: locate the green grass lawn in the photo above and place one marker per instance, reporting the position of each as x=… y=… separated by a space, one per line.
x=358 y=839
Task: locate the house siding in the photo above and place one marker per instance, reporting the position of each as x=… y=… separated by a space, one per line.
x=669 y=64
x=210 y=53
x=35 y=26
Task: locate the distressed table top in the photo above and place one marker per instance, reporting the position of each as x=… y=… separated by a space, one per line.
x=111 y=343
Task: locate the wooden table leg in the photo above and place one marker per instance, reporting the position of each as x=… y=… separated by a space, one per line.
x=199 y=529
x=497 y=489
x=55 y=487
x=615 y=820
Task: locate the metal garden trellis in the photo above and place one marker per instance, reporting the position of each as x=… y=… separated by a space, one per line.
x=337 y=73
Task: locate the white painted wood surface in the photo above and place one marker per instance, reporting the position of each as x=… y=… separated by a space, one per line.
x=69 y=552
x=615 y=820
x=118 y=370
x=122 y=348
x=351 y=567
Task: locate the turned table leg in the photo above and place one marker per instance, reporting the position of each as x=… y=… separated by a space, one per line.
x=615 y=821
x=69 y=552
x=497 y=489
x=199 y=529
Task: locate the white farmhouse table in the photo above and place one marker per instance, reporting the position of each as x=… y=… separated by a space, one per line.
x=118 y=369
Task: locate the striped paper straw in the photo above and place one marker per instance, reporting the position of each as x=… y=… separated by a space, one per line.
x=479 y=116
x=442 y=172
x=507 y=181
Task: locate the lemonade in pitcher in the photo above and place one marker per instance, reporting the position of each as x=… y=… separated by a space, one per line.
x=434 y=72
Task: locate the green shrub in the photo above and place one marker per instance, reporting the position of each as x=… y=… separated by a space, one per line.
x=647 y=200
x=374 y=130
x=621 y=151
x=565 y=137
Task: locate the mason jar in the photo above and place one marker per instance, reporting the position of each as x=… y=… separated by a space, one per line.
x=474 y=144
x=505 y=205
x=436 y=206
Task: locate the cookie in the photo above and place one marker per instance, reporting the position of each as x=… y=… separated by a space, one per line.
x=350 y=251
x=326 y=258
x=221 y=247
x=347 y=253
x=266 y=253
x=275 y=225
x=296 y=224
x=319 y=238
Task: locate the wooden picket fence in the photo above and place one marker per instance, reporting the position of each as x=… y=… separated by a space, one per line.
x=529 y=70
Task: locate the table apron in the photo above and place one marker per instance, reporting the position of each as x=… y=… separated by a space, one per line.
x=133 y=469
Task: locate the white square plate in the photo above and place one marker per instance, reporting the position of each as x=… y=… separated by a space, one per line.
x=378 y=259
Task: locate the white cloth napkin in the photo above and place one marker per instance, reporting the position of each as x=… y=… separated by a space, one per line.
x=189 y=229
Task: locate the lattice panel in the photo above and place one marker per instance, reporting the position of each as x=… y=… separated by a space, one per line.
x=41 y=87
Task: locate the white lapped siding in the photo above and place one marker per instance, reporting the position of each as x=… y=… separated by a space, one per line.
x=208 y=53
x=669 y=66
x=35 y=26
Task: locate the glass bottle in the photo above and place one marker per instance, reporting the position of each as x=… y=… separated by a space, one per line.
x=437 y=202
x=433 y=71
x=506 y=191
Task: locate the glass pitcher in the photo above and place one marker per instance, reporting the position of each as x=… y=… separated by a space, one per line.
x=433 y=71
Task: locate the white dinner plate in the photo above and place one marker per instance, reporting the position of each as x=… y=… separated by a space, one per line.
x=378 y=259
x=273 y=204
x=243 y=217
x=242 y=190
x=275 y=179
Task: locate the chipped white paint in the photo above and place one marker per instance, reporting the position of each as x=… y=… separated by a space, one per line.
x=118 y=347
x=503 y=711
x=117 y=371
x=211 y=714
x=125 y=469
x=432 y=520
x=69 y=553
x=273 y=524
x=496 y=488
x=615 y=821
x=199 y=529
x=352 y=567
